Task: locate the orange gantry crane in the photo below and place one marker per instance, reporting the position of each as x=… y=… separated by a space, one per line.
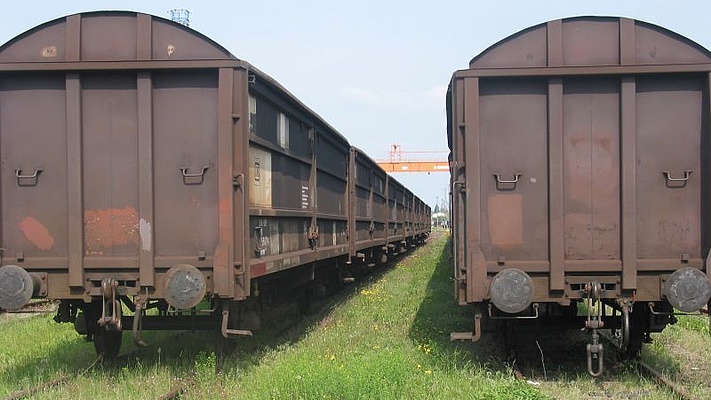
x=414 y=161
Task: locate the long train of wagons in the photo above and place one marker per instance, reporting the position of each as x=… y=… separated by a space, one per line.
x=145 y=166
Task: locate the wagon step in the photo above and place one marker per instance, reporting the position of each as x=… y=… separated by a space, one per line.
x=469 y=336
x=226 y=332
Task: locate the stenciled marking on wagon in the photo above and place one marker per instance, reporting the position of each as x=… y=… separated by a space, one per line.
x=36 y=233
x=111 y=227
x=49 y=52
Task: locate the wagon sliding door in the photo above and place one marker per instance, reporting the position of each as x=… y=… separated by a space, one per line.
x=110 y=164
x=185 y=146
x=34 y=173
x=591 y=175
x=669 y=125
x=514 y=182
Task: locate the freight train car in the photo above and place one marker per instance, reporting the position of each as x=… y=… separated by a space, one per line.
x=145 y=167
x=580 y=173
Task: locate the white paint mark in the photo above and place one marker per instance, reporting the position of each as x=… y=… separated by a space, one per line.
x=146 y=235
x=533 y=180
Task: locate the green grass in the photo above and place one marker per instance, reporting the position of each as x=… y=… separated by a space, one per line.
x=390 y=340
x=384 y=338
x=694 y=323
x=683 y=353
x=36 y=349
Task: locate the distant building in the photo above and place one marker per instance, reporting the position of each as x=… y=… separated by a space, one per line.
x=440 y=220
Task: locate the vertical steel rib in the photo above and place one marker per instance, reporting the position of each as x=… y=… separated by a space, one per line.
x=351 y=203
x=144 y=37
x=224 y=283
x=75 y=198
x=629 y=183
x=476 y=271
x=145 y=156
x=145 y=180
x=240 y=157
x=556 y=195
x=628 y=155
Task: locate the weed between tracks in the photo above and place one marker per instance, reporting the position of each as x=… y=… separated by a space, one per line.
x=386 y=338
x=683 y=353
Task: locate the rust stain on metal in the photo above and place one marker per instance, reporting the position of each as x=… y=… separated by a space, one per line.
x=506 y=220
x=37 y=233
x=111 y=227
x=258 y=268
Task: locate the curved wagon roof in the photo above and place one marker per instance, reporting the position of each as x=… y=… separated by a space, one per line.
x=589 y=41
x=587 y=46
x=123 y=40
x=101 y=36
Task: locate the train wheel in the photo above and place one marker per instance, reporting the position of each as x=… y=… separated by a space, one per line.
x=107 y=343
x=634 y=348
x=304 y=300
x=507 y=336
x=637 y=336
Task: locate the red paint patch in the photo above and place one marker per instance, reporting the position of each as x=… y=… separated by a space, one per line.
x=258 y=268
x=104 y=229
x=36 y=233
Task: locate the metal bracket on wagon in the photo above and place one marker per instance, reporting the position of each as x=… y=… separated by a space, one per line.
x=27 y=180
x=111 y=307
x=194 y=178
x=676 y=182
x=459 y=186
x=504 y=184
x=534 y=306
x=594 y=350
x=226 y=332
x=471 y=336
x=141 y=302
x=312 y=236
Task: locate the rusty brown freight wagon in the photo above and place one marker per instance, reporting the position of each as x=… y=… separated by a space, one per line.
x=380 y=231
x=581 y=172
x=144 y=165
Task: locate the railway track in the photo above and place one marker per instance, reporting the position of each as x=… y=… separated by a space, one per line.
x=287 y=331
x=643 y=369
x=182 y=386
x=661 y=379
x=531 y=367
x=49 y=384
x=60 y=380
x=42 y=306
x=179 y=389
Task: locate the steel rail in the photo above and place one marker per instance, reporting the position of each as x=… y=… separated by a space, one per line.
x=678 y=390
x=21 y=394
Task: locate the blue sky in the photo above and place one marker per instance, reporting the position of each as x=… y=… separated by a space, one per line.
x=375 y=70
